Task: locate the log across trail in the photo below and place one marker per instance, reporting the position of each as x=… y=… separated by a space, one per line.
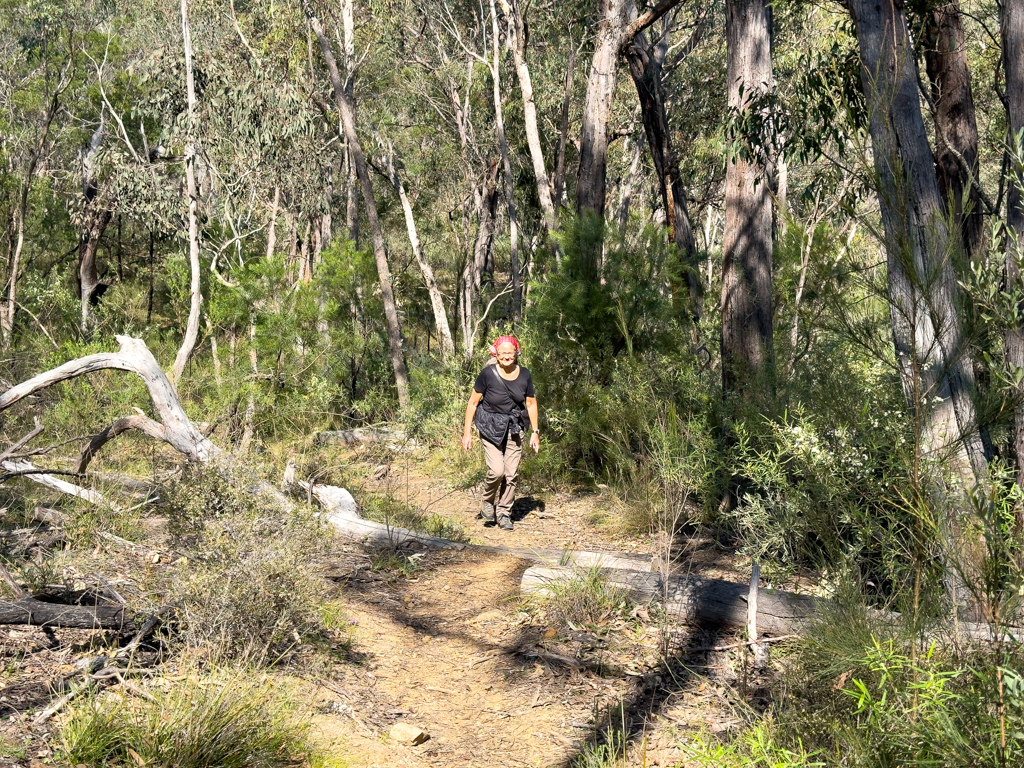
x=694 y=600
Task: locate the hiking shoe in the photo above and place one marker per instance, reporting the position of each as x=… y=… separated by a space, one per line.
x=488 y=515
x=505 y=523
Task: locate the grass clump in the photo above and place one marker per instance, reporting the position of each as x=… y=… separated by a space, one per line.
x=386 y=509
x=585 y=600
x=220 y=721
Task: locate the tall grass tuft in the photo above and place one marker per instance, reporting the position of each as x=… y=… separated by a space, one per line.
x=223 y=721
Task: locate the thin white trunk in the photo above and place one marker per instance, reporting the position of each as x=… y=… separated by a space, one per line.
x=272 y=229
x=444 y=332
x=517 y=42
x=196 y=301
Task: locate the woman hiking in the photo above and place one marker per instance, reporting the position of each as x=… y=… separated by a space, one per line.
x=502 y=401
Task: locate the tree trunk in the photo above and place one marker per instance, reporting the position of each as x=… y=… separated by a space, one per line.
x=517 y=42
x=693 y=599
x=1012 y=24
x=934 y=361
x=956 y=129
x=486 y=200
x=444 y=332
x=9 y=306
x=344 y=104
x=645 y=65
x=591 y=177
x=196 y=300
x=510 y=199
x=747 y=240
x=563 y=130
x=88 y=277
x=42 y=614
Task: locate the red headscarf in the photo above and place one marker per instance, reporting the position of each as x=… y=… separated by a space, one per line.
x=493 y=349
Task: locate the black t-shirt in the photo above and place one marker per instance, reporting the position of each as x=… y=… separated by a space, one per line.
x=496 y=397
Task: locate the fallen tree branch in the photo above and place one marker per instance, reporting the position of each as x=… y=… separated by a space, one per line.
x=24 y=441
x=37 y=613
x=125 y=423
x=46 y=477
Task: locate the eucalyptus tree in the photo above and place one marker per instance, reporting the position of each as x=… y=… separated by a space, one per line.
x=746 y=344
x=956 y=127
x=1012 y=33
x=345 y=108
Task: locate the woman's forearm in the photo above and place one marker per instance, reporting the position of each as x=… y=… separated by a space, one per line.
x=531 y=408
x=470 y=413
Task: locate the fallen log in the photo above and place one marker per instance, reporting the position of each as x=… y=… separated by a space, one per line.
x=714 y=603
x=343 y=515
x=362 y=436
x=694 y=600
x=40 y=614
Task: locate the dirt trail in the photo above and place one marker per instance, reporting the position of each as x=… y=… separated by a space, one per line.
x=452 y=651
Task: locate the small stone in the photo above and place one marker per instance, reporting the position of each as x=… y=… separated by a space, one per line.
x=408 y=734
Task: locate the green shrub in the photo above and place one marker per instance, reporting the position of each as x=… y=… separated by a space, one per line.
x=252 y=579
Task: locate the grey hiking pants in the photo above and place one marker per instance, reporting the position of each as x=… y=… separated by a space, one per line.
x=502 y=471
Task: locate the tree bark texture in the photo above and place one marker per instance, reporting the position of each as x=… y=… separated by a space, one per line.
x=956 y=128
x=43 y=614
x=591 y=177
x=645 y=66
x=935 y=363
x=195 y=286
x=695 y=600
x=1012 y=24
x=747 y=239
x=345 y=107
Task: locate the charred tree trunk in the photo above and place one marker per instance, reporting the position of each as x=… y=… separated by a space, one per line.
x=1012 y=24
x=956 y=129
x=645 y=66
x=90 y=287
x=344 y=104
x=747 y=240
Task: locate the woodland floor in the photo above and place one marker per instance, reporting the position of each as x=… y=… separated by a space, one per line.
x=455 y=651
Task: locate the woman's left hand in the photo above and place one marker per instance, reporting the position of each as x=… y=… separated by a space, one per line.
x=535 y=442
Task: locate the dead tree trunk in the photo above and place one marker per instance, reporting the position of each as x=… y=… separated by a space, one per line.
x=956 y=129
x=96 y=217
x=645 y=65
x=344 y=105
x=195 y=287
x=747 y=240
x=695 y=600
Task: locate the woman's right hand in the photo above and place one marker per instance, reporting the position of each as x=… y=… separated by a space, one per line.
x=467 y=441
